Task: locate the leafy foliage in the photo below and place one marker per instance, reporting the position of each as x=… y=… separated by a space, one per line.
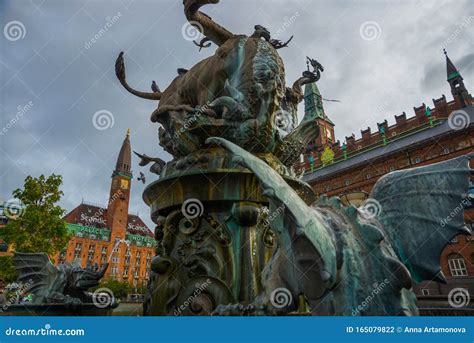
x=40 y=228
x=7 y=269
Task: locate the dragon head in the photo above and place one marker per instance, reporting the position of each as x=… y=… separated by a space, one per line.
x=83 y=279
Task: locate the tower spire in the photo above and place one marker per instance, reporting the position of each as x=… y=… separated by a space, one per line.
x=124 y=158
x=455 y=80
x=451 y=69
x=314 y=111
x=313 y=103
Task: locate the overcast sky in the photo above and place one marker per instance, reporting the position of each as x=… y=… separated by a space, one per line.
x=380 y=58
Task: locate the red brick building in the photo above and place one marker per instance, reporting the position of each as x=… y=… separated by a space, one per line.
x=111 y=234
x=433 y=134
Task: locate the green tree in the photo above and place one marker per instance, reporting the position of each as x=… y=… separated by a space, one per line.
x=7 y=270
x=39 y=226
x=142 y=288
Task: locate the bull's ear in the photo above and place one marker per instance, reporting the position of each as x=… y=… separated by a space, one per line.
x=422 y=209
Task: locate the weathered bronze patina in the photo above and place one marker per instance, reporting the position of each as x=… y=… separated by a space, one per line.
x=239 y=233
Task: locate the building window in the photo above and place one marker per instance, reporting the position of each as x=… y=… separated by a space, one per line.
x=445 y=151
x=137 y=259
x=425 y=291
x=117 y=245
x=368 y=176
x=394 y=134
x=103 y=255
x=347 y=182
x=77 y=250
x=91 y=252
x=148 y=260
x=114 y=271
x=457 y=265
x=417 y=160
x=392 y=168
x=125 y=272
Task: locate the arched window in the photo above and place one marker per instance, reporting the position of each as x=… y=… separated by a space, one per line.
x=457 y=265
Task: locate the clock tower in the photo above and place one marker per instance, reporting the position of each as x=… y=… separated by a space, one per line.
x=314 y=111
x=117 y=209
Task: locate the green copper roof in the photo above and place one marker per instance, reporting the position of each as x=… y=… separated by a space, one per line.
x=313 y=104
x=124 y=174
x=453 y=75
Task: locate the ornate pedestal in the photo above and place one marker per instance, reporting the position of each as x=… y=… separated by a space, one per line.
x=213 y=236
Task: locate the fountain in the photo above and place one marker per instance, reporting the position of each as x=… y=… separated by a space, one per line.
x=238 y=233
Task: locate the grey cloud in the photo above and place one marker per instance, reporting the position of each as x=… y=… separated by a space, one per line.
x=68 y=82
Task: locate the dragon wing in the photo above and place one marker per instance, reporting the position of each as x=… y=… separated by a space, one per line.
x=422 y=210
x=34 y=269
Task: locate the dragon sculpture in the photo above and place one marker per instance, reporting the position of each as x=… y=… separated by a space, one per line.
x=335 y=256
x=234 y=223
x=66 y=284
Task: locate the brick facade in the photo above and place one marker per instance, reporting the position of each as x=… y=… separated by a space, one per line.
x=110 y=234
x=426 y=137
